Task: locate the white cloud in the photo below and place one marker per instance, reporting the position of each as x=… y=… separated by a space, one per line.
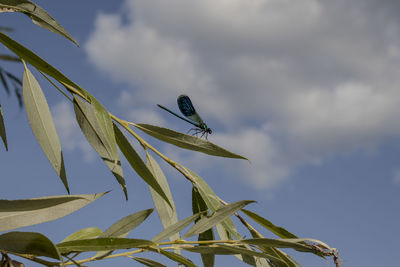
x=322 y=75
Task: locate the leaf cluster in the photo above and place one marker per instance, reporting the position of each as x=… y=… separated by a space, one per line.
x=108 y=135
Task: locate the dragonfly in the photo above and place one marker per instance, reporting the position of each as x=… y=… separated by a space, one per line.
x=186 y=107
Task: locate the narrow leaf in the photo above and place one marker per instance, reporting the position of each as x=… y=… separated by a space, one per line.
x=100 y=244
x=279 y=231
x=186 y=141
x=218 y=216
x=137 y=163
x=13 y=78
x=106 y=125
x=41 y=65
x=3 y=129
x=19 y=213
x=198 y=205
x=289 y=262
x=148 y=262
x=38 y=15
x=166 y=211
x=42 y=124
x=175 y=228
x=122 y=227
x=175 y=257
x=297 y=244
x=10 y=58
x=4 y=82
x=86 y=117
x=213 y=203
x=224 y=250
x=86 y=233
x=28 y=243
x=125 y=225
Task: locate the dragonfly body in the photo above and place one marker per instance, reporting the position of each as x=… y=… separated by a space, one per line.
x=186 y=107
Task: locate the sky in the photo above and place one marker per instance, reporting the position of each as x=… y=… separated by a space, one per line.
x=307 y=90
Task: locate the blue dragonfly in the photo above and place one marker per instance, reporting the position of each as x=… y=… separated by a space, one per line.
x=192 y=117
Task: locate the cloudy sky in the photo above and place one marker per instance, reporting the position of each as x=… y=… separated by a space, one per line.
x=288 y=84
x=307 y=90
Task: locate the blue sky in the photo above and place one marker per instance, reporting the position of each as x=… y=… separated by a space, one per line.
x=307 y=90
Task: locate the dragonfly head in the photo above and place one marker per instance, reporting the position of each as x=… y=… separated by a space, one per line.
x=204 y=127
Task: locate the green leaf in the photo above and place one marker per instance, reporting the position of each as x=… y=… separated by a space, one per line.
x=123 y=226
x=175 y=228
x=106 y=125
x=148 y=262
x=85 y=233
x=41 y=121
x=295 y=243
x=175 y=257
x=19 y=213
x=4 y=82
x=28 y=243
x=86 y=117
x=186 y=141
x=224 y=250
x=213 y=203
x=233 y=250
x=279 y=231
x=40 y=64
x=166 y=211
x=137 y=163
x=198 y=205
x=218 y=216
x=289 y=262
x=100 y=244
x=38 y=15
x=6 y=57
x=3 y=129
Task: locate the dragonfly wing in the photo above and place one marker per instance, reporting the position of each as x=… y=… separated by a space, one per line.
x=187 y=109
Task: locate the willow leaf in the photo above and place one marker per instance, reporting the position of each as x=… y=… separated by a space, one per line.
x=166 y=211
x=137 y=163
x=175 y=228
x=19 y=213
x=213 y=203
x=106 y=125
x=123 y=226
x=100 y=244
x=297 y=244
x=3 y=129
x=41 y=121
x=279 y=231
x=30 y=57
x=186 y=141
x=85 y=233
x=4 y=82
x=176 y=257
x=10 y=58
x=28 y=243
x=218 y=216
x=86 y=117
x=198 y=205
x=38 y=15
x=148 y=262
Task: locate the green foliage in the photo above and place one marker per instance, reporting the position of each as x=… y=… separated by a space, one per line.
x=20 y=213
x=41 y=121
x=103 y=132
